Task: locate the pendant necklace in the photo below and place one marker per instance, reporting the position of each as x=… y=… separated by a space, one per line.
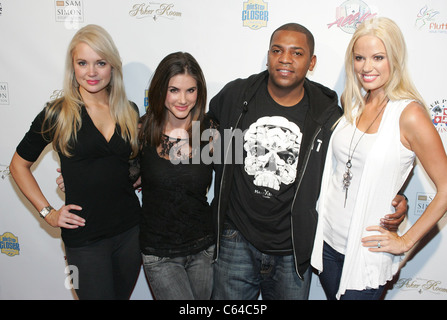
x=347 y=177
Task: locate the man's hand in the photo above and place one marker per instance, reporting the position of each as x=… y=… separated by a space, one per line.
x=392 y=221
x=137 y=183
x=60 y=181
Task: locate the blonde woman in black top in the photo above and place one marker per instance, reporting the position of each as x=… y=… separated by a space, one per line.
x=93 y=127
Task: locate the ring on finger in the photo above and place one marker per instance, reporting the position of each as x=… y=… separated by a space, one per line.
x=378 y=244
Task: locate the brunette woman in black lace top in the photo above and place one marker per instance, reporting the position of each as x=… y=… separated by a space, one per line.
x=177 y=236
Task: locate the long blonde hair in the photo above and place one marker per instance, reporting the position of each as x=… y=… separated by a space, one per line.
x=399 y=85
x=63 y=115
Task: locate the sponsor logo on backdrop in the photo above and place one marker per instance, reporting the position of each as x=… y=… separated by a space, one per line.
x=4 y=93
x=438 y=110
x=255 y=14
x=155 y=11
x=1 y=10
x=71 y=13
x=146 y=99
x=9 y=244
x=4 y=171
x=421 y=286
x=350 y=14
x=422 y=202
x=428 y=19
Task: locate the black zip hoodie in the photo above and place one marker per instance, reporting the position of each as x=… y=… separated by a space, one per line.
x=228 y=108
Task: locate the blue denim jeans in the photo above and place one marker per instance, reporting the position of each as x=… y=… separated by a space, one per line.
x=180 y=278
x=330 y=278
x=242 y=272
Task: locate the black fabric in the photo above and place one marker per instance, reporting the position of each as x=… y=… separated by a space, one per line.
x=265 y=221
x=177 y=218
x=230 y=106
x=96 y=178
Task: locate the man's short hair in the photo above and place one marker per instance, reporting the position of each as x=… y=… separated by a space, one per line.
x=298 y=28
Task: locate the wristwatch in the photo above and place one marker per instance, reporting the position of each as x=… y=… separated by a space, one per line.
x=45 y=211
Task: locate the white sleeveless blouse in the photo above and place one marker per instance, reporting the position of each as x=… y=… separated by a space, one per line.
x=339 y=212
x=387 y=165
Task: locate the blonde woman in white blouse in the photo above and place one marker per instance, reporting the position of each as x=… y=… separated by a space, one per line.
x=371 y=153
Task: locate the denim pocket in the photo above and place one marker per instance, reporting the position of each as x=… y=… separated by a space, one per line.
x=229 y=233
x=209 y=253
x=152 y=260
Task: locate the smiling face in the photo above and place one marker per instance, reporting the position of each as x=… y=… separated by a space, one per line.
x=92 y=72
x=181 y=98
x=289 y=60
x=371 y=64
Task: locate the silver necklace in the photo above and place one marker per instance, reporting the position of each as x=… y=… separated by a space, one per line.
x=347 y=176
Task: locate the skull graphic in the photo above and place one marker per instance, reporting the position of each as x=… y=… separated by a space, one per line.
x=272 y=145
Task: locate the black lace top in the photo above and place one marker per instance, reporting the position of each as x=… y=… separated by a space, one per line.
x=177 y=218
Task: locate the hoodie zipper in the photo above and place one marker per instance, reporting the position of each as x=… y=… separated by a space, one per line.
x=245 y=103
x=294 y=198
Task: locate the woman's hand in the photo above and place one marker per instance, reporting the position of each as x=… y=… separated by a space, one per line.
x=64 y=218
x=386 y=241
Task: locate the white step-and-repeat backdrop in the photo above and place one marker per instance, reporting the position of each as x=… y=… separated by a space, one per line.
x=230 y=39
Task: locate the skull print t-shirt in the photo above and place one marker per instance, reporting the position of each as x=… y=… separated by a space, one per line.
x=264 y=184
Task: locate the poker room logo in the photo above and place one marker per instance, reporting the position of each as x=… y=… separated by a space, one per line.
x=155 y=11
x=9 y=244
x=255 y=14
x=438 y=110
x=421 y=286
x=350 y=14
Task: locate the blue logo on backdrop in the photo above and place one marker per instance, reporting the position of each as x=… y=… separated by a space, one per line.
x=255 y=14
x=9 y=244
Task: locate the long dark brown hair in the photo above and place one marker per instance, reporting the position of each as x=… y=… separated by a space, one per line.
x=153 y=122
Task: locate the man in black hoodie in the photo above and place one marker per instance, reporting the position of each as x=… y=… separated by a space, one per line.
x=276 y=127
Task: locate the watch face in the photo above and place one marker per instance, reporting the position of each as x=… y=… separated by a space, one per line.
x=45 y=211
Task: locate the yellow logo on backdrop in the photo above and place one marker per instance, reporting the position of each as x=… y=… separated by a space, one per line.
x=9 y=244
x=255 y=14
